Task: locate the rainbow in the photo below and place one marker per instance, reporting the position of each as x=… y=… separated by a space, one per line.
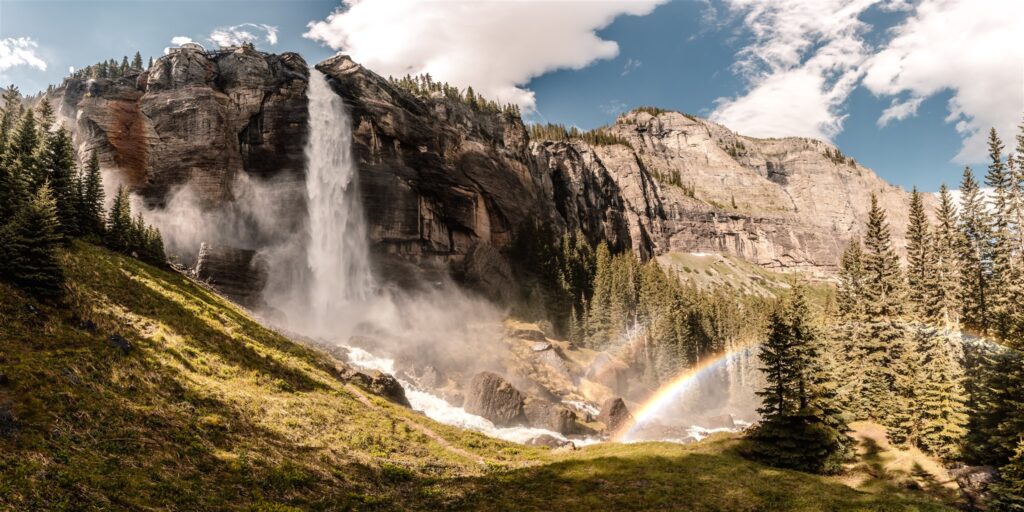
x=669 y=392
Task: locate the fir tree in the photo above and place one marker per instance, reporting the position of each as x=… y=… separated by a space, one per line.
x=20 y=156
x=90 y=213
x=919 y=258
x=45 y=117
x=944 y=287
x=137 y=61
x=29 y=247
x=1008 y=491
x=975 y=254
x=1002 y=245
x=941 y=396
x=800 y=426
x=883 y=334
x=57 y=163
x=119 y=223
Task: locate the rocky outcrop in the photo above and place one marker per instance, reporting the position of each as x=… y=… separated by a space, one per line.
x=551 y=416
x=615 y=415
x=238 y=273
x=492 y=397
x=218 y=136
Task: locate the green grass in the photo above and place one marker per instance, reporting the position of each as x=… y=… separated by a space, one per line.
x=211 y=411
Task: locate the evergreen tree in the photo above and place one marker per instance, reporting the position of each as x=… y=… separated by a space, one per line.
x=137 y=61
x=90 y=212
x=57 y=163
x=20 y=157
x=800 y=426
x=975 y=254
x=883 y=332
x=45 y=117
x=944 y=287
x=941 y=396
x=919 y=258
x=1008 y=491
x=119 y=223
x=1002 y=245
x=150 y=63
x=29 y=247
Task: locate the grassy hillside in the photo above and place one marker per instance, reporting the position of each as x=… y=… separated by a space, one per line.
x=210 y=411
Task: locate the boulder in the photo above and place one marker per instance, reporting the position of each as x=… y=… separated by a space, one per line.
x=387 y=386
x=8 y=423
x=615 y=415
x=974 y=482
x=540 y=346
x=549 y=441
x=121 y=343
x=492 y=397
x=550 y=416
x=609 y=371
x=237 y=273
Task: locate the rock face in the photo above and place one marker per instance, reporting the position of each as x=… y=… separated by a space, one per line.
x=615 y=415
x=490 y=396
x=447 y=185
x=215 y=140
x=238 y=273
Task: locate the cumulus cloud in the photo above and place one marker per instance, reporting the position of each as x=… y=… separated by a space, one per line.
x=180 y=40
x=19 y=51
x=969 y=47
x=236 y=35
x=802 y=65
x=807 y=56
x=496 y=47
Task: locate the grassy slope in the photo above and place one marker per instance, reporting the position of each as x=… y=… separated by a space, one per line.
x=211 y=411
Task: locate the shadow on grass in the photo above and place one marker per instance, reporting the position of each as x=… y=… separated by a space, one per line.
x=649 y=478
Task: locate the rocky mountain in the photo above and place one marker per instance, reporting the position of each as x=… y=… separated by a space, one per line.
x=446 y=185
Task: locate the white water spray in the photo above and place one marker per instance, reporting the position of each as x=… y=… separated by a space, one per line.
x=337 y=252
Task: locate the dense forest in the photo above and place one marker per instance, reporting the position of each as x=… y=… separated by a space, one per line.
x=47 y=200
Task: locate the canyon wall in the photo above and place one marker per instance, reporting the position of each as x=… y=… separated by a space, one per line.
x=447 y=185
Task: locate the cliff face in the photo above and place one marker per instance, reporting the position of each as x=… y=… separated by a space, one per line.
x=446 y=186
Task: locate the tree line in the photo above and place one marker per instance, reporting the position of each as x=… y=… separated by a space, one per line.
x=112 y=69
x=931 y=350
x=423 y=86
x=607 y=299
x=46 y=201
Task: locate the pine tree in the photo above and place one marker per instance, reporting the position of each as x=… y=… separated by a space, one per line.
x=150 y=63
x=919 y=258
x=975 y=254
x=944 y=287
x=57 y=163
x=90 y=214
x=45 y=117
x=137 y=61
x=20 y=156
x=1003 y=274
x=850 y=302
x=940 y=395
x=884 y=333
x=800 y=426
x=119 y=223
x=29 y=247
x=1008 y=491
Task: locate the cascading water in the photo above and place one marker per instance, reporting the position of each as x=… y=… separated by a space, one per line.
x=340 y=279
x=339 y=298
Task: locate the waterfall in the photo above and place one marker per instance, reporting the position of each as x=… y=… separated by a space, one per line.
x=336 y=253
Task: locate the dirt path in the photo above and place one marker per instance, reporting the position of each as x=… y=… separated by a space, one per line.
x=361 y=396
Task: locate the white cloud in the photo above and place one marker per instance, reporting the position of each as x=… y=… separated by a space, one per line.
x=801 y=67
x=19 y=51
x=631 y=66
x=899 y=110
x=496 y=47
x=613 y=107
x=71 y=70
x=969 y=47
x=236 y=35
x=807 y=56
x=180 y=40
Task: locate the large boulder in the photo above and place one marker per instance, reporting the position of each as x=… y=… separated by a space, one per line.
x=551 y=416
x=492 y=397
x=974 y=484
x=237 y=273
x=615 y=415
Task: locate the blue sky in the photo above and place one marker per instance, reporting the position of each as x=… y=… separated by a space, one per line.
x=825 y=68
